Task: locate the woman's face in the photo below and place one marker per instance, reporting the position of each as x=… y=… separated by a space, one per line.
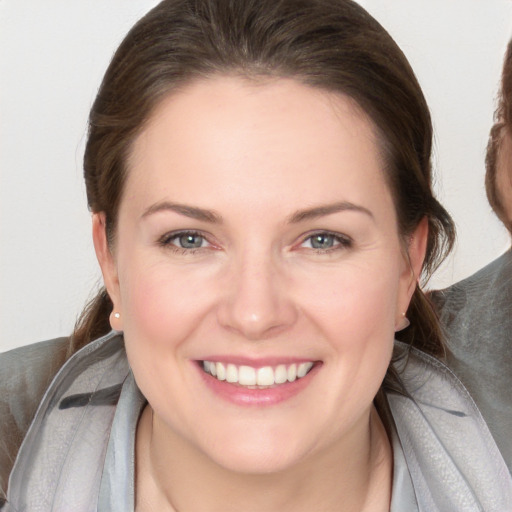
x=257 y=236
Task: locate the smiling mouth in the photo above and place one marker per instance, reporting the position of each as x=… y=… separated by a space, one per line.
x=257 y=378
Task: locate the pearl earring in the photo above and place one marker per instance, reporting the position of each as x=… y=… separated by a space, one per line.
x=404 y=324
x=115 y=321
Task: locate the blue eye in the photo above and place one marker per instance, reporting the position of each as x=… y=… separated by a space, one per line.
x=189 y=240
x=185 y=240
x=325 y=241
x=322 y=241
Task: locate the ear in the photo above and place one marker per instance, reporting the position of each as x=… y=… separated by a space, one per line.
x=108 y=267
x=414 y=256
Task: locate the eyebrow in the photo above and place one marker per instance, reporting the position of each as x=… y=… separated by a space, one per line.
x=192 y=212
x=328 y=209
x=212 y=217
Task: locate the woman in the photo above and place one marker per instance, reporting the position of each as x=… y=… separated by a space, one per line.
x=259 y=177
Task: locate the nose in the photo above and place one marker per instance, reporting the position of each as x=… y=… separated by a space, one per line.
x=257 y=303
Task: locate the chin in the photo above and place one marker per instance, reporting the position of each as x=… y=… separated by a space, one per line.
x=261 y=463
x=258 y=455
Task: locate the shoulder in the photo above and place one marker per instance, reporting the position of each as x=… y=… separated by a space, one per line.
x=470 y=290
x=75 y=413
x=28 y=359
x=422 y=374
x=437 y=422
x=25 y=373
x=477 y=316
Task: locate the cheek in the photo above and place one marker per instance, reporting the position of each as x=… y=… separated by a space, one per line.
x=161 y=305
x=355 y=311
x=355 y=301
x=353 y=308
x=363 y=332
x=161 y=311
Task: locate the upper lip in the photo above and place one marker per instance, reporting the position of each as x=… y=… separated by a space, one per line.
x=257 y=362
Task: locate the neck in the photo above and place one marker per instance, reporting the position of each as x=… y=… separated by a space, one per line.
x=173 y=476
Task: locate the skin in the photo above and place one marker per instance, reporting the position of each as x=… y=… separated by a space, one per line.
x=254 y=155
x=503 y=179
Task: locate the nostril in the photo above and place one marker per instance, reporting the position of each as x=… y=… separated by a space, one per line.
x=255 y=301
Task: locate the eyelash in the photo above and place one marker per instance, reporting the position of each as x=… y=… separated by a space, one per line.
x=166 y=242
x=343 y=242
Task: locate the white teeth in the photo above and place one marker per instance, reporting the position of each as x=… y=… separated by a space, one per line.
x=281 y=374
x=303 y=369
x=220 y=370
x=246 y=376
x=264 y=377
x=232 y=373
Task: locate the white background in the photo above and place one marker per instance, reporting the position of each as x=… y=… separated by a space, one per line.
x=52 y=57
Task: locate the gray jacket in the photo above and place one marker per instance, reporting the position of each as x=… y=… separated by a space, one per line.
x=477 y=316
x=78 y=453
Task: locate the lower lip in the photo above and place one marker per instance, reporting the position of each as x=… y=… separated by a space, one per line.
x=241 y=395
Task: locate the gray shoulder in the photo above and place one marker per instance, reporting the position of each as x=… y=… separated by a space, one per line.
x=436 y=421
x=476 y=314
x=489 y=280
x=25 y=373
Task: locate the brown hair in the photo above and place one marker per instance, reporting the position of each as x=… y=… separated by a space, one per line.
x=334 y=45
x=502 y=127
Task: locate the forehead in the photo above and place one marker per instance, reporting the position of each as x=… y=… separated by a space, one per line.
x=257 y=141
